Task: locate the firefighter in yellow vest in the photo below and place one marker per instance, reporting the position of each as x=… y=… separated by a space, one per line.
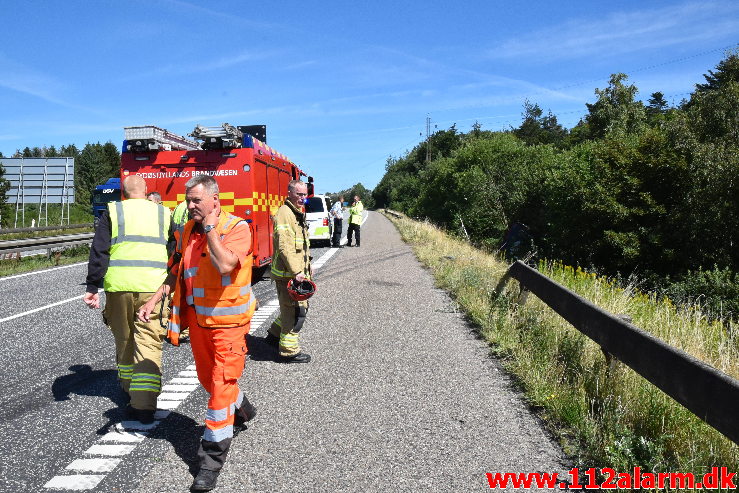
x=213 y=297
x=129 y=255
x=355 y=221
x=290 y=260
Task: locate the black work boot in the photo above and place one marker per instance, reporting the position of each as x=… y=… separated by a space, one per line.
x=301 y=357
x=205 y=480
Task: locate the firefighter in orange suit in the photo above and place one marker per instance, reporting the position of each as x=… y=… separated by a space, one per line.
x=213 y=297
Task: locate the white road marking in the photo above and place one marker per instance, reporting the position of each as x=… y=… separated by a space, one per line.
x=178 y=388
x=40 y=271
x=74 y=482
x=111 y=450
x=41 y=308
x=94 y=465
x=127 y=436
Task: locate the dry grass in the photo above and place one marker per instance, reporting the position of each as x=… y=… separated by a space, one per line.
x=605 y=417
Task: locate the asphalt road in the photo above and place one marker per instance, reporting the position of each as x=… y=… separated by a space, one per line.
x=400 y=395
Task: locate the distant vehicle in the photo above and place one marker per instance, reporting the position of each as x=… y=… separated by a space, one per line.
x=320 y=225
x=110 y=191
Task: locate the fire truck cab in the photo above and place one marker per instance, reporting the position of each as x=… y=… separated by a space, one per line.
x=252 y=177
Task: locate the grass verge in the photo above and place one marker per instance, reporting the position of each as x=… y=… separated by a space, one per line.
x=9 y=267
x=603 y=417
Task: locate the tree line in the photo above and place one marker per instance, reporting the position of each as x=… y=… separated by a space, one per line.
x=93 y=165
x=633 y=188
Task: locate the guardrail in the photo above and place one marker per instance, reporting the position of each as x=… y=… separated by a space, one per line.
x=393 y=213
x=47 y=243
x=710 y=394
x=45 y=228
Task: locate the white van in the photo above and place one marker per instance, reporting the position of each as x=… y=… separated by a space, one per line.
x=320 y=225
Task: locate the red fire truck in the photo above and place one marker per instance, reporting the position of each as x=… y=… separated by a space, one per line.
x=252 y=176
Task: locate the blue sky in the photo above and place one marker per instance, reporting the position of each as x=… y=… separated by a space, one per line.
x=340 y=85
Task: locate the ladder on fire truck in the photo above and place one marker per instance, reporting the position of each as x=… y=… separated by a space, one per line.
x=224 y=137
x=151 y=138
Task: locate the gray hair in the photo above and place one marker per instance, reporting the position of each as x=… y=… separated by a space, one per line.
x=293 y=185
x=209 y=183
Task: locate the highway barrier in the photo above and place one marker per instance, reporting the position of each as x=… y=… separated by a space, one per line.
x=710 y=394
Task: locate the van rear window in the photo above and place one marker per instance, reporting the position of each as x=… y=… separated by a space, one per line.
x=314 y=204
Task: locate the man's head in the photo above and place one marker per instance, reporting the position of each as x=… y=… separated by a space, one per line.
x=154 y=197
x=356 y=198
x=134 y=187
x=341 y=199
x=201 y=194
x=297 y=191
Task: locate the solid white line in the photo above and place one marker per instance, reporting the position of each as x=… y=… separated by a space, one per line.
x=18 y=315
x=75 y=482
x=41 y=271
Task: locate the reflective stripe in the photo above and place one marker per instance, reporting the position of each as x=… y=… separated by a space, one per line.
x=190 y=272
x=138 y=239
x=176 y=310
x=119 y=217
x=138 y=263
x=279 y=227
x=198 y=292
x=226 y=280
x=219 y=311
x=189 y=300
x=216 y=414
x=173 y=327
x=145 y=387
x=238 y=402
x=246 y=290
x=289 y=341
x=218 y=435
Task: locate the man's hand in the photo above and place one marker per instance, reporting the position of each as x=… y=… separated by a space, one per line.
x=92 y=300
x=212 y=217
x=300 y=277
x=145 y=311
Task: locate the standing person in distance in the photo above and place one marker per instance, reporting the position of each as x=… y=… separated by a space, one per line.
x=337 y=213
x=355 y=220
x=129 y=256
x=213 y=297
x=290 y=260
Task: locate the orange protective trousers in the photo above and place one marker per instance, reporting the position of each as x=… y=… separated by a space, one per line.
x=219 y=361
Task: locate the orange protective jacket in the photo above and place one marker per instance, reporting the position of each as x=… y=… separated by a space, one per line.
x=219 y=301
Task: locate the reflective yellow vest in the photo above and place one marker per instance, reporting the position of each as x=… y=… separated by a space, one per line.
x=355 y=213
x=138 y=246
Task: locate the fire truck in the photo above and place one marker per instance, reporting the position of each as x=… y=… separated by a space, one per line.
x=252 y=177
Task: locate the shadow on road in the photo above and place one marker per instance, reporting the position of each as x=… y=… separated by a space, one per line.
x=85 y=381
x=260 y=350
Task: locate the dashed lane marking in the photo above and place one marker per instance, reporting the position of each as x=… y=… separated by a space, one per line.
x=128 y=434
